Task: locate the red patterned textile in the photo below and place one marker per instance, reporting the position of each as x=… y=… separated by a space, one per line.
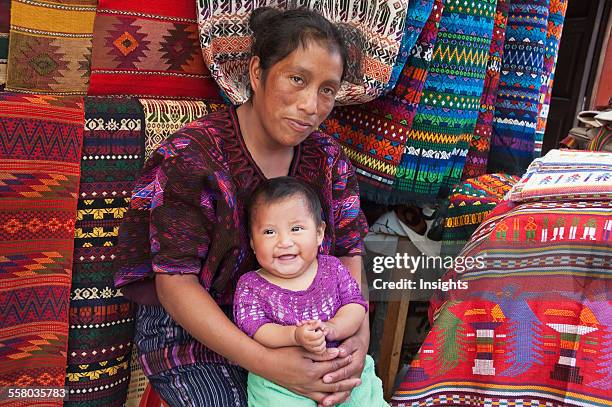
x=40 y=152
x=534 y=325
x=149 y=49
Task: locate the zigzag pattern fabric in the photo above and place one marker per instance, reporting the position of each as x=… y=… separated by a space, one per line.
x=5 y=15
x=165 y=117
x=518 y=98
x=373 y=135
x=477 y=157
x=556 y=18
x=101 y=320
x=40 y=149
x=438 y=142
x=533 y=327
x=50 y=47
x=225 y=39
x=149 y=49
x=470 y=203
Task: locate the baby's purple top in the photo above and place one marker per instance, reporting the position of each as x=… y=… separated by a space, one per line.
x=258 y=301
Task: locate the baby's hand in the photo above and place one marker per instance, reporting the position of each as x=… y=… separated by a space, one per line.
x=309 y=335
x=329 y=331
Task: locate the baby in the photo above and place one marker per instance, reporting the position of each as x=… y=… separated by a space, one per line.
x=298 y=297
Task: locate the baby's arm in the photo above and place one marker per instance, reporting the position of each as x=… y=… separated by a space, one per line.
x=308 y=335
x=345 y=323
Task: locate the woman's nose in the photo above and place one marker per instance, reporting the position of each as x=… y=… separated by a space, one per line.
x=308 y=101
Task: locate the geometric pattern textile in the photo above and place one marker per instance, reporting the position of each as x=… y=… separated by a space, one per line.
x=556 y=18
x=476 y=160
x=149 y=49
x=40 y=149
x=438 y=142
x=470 y=203
x=518 y=97
x=101 y=319
x=5 y=15
x=534 y=325
x=165 y=117
x=50 y=47
x=373 y=135
x=225 y=39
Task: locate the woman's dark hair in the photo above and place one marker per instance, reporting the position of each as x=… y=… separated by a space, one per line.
x=276 y=189
x=277 y=33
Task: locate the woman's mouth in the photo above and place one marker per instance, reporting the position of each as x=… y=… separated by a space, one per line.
x=299 y=126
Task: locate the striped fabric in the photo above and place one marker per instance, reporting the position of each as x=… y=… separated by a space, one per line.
x=5 y=15
x=50 y=47
x=477 y=157
x=518 y=97
x=533 y=326
x=556 y=18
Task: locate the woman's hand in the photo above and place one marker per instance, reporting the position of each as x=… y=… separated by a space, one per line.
x=302 y=372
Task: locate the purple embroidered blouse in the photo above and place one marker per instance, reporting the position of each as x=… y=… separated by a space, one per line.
x=258 y=301
x=187 y=216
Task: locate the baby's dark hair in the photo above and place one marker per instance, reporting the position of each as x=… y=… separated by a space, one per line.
x=277 y=33
x=276 y=189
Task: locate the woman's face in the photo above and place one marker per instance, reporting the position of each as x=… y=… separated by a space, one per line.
x=298 y=92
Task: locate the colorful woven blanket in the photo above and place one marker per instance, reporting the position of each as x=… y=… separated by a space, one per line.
x=50 y=47
x=373 y=135
x=478 y=155
x=5 y=15
x=226 y=42
x=40 y=150
x=556 y=17
x=101 y=320
x=518 y=96
x=469 y=204
x=402 y=156
x=165 y=117
x=534 y=326
x=149 y=49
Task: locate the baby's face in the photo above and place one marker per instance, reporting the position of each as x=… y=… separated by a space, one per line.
x=285 y=237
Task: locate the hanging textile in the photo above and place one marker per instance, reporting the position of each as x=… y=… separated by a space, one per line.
x=5 y=15
x=518 y=96
x=40 y=149
x=101 y=320
x=373 y=134
x=470 y=203
x=476 y=160
x=50 y=47
x=416 y=17
x=148 y=49
x=226 y=43
x=556 y=18
x=165 y=117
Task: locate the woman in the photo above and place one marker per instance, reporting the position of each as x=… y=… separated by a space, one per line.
x=186 y=225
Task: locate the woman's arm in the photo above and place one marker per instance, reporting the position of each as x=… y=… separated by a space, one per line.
x=195 y=310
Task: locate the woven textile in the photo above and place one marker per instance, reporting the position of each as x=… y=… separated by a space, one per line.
x=5 y=14
x=40 y=150
x=149 y=49
x=476 y=160
x=518 y=96
x=534 y=326
x=50 y=47
x=469 y=204
x=226 y=41
x=566 y=174
x=101 y=320
x=165 y=117
x=373 y=135
x=556 y=17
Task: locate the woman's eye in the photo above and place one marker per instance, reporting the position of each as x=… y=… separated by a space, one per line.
x=297 y=80
x=329 y=91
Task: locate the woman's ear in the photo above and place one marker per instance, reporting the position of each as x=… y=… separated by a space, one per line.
x=255 y=73
x=320 y=233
